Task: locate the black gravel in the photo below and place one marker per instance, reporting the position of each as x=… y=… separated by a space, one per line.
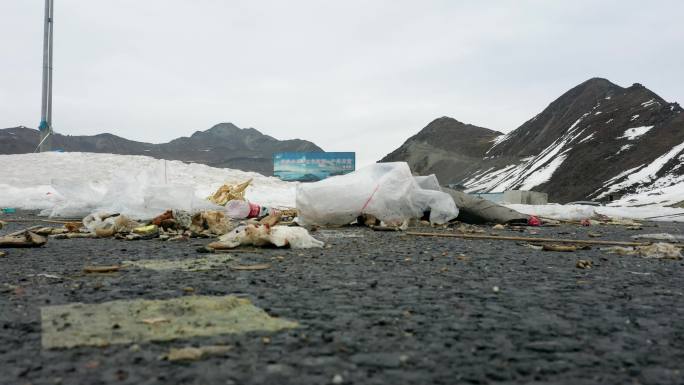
x=375 y=308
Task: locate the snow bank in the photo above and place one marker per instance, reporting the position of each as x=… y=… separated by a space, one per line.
x=578 y=212
x=74 y=184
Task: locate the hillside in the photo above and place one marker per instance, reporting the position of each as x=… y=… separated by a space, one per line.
x=596 y=140
x=224 y=145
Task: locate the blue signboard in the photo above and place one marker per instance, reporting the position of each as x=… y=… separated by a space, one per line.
x=312 y=166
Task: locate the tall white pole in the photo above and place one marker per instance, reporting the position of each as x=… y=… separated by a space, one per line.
x=45 y=126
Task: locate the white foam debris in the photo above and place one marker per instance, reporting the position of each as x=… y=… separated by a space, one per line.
x=609 y=120
x=607 y=97
x=598 y=113
x=634 y=117
x=633 y=133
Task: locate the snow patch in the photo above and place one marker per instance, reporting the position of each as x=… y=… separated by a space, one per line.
x=647 y=175
x=633 y=133
x=649 y=103
x=587 y=138
x=543 y=174
x=624 y=148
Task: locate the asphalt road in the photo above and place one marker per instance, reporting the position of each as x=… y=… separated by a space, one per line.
x=374 y=308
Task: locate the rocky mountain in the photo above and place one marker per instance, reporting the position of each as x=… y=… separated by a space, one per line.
x=224 y=145
x=595 y=141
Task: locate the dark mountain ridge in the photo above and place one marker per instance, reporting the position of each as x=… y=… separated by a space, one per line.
x=574 y=149
x=223 y=145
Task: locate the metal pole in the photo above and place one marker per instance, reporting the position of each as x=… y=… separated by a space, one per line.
x=48 y=142
x=44 y=125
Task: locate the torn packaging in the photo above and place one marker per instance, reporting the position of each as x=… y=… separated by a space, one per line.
x=214 y=222
x=106 y=225
x=264 y=235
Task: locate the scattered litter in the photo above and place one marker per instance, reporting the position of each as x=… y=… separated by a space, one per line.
x=73 y=227
x=78 y=324
x=562 y=248
x=211 y=223
x=639 y=273
x=584 y=264
x=101 y=269
x=594 y=235
x=25 y=239
x=656 y=250
x=146 y=230
x=257 y=235
x=387 y=191
x=495 y=289
x=469 y=229
x=228 y=192
x=634 y=228
x=661 y=237
x=50 y=231
x=261 y=266
x=195 y=354
x=106 y=225
x=499 y=227
x=533 y=221
x=585 y=222
x=531 y=246
x=211 y=262
x=2 y=254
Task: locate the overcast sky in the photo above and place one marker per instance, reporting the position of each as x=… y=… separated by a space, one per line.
x=348 y=75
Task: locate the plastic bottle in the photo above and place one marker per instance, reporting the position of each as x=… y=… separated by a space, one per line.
x=242 y=209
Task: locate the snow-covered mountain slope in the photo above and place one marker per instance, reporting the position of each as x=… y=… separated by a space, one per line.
x=596 y=141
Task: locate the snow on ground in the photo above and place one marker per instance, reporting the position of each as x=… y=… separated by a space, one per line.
x=633 y=133
x=73 y=184
x=578 y=212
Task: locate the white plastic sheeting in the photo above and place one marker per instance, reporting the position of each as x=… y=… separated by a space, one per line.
x=76 y=184
x=387 y=191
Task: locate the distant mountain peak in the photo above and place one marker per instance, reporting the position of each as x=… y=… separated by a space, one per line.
x=584 y=145
x=223 y=145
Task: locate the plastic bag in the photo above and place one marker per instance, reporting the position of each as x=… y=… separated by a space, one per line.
x=387 y=191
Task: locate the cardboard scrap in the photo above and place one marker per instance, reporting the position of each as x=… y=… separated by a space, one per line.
x=121 y=322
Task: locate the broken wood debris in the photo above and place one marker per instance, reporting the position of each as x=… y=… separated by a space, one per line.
x=23 y=239
x=527 y=239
